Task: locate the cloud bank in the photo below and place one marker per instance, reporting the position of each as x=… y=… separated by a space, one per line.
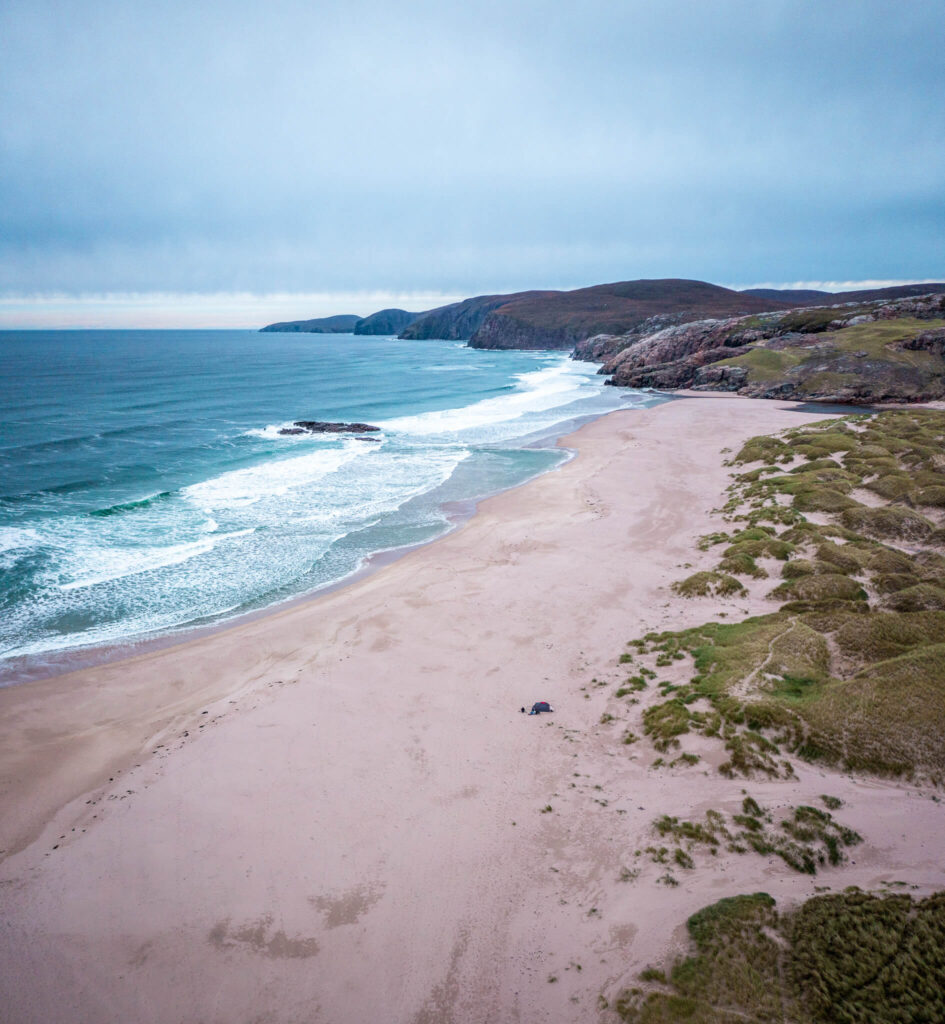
x=419 y=147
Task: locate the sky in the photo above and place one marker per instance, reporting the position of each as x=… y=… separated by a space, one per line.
x=231 y=163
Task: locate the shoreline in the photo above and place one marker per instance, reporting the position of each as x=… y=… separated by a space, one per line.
x=25 y=669
x=289 y=798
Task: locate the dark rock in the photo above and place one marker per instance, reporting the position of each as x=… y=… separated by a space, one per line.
x=927 y=341
x=719 y=378
x=321 y=427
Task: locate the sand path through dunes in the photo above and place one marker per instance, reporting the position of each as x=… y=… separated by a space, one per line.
x=334 y=813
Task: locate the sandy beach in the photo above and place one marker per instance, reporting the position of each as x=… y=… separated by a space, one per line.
x=337 y=813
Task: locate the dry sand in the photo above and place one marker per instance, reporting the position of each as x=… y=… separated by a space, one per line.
x=334 y=813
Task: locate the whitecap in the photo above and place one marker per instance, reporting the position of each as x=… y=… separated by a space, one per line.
x=560 y=384
x=118 y=563
x=241 y=487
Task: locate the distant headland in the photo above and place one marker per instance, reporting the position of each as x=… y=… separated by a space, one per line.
x=876 y=345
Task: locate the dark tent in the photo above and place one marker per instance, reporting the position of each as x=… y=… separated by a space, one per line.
x=542 y=705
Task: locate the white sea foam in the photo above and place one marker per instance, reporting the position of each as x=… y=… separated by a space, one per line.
x=241 y=487
x=271 y=432
x=15 y=543
x=368 y=489
x=16 y=538
x=118 y=563
x=538 y=391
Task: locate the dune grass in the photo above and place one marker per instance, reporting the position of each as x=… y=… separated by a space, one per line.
x=844 y=958
x=851 y=668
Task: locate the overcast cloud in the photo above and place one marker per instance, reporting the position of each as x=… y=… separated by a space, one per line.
x=450 y=149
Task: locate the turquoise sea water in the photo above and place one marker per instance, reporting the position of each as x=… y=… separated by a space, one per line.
x=144 y=487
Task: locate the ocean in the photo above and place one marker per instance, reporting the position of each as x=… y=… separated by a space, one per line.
x=145 y=488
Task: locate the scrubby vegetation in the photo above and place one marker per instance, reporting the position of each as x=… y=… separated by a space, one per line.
x=709 y=584
x=840 y=525
x=805 y=839
x=851 y=669
x=877 y=361
x=845 y=958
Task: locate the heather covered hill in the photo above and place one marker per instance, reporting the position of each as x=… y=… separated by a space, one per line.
x=561 y=319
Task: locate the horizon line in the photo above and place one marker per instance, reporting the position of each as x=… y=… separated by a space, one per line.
x=246 y=310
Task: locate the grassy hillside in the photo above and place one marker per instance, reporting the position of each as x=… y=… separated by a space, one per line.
x=862 y=352
x=864 y=359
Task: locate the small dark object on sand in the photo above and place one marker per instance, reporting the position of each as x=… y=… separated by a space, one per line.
x=540 y=706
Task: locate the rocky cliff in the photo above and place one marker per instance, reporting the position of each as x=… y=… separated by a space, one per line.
x=459 y=321
x=860 y=353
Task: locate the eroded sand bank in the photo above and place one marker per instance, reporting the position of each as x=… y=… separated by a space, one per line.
x=334 y=813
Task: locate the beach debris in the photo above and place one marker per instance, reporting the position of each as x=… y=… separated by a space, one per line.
x=321 y=427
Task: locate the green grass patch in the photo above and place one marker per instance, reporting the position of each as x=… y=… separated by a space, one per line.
x=887 y=522
x=709 y=584
x=844 y=958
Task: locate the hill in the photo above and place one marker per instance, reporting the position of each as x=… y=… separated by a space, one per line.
x=559 y=319
x=344 y=323
x=386 y=321
x=810 y=297
x=805 y=295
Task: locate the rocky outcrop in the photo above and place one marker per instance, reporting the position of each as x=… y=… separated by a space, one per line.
x=927 y=341
x=859 y=353
x=322 y=427
x=502 y=330
x=690 y=344
x=386 y=322
x=344 y=323
x=805 y=320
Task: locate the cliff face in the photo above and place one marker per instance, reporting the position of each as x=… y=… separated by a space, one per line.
x=344 y=323
x=504 y=330
x=459 y=321
x=857 y=353
x=386 y=321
